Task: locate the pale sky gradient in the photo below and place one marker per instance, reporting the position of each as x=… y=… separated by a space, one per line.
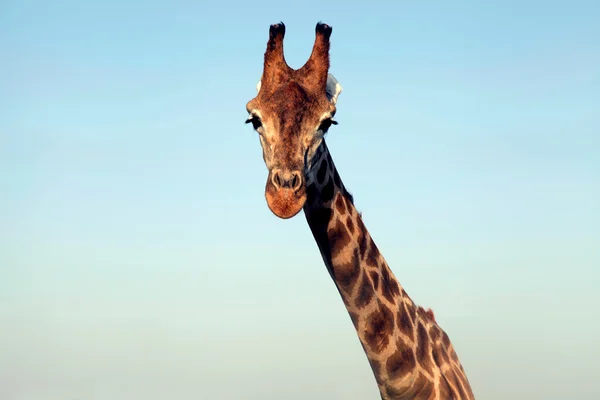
x=139 y=260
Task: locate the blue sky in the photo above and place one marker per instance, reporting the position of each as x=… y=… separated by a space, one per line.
x=138 y=258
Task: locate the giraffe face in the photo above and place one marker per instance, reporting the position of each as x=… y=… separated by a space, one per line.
x=291 y=114
x=291 y=124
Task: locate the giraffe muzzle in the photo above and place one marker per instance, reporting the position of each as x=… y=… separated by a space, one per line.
x=285 y=192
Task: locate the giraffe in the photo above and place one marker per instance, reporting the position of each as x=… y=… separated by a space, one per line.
x=410 y=355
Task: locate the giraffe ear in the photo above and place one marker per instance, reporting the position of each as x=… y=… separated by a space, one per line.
x=333 y=88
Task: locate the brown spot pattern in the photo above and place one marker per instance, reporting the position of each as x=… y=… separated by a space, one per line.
x=372 y=254
x=347 y=273
x=376 y=367
x=411 y=311
x=338 y=238
x=454 y=381
x=424 y=388
x=350 y=226
x=340 y=204
x=389 y=286
x=405 y=324
x=379 y=328
x=345 y=297
x=365 y=292
x=445 y=390
x=424 y=349
x=434 y=333
x=362 y=238
x=453 y=355
x=445 y=339
x=375 y=279
x=402 y=362
x=443 y=355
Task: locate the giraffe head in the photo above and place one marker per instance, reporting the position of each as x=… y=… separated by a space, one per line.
x=291 y=113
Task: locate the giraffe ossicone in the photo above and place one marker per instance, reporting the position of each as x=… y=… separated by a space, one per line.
x=410 y=355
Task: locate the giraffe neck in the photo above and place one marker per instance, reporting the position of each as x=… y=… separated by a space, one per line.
x=410 y=355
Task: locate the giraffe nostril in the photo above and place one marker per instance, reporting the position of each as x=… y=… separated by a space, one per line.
x=296 y=181
x=286 y=179
x=276 y=179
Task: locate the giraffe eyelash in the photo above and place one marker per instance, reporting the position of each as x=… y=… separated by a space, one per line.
x=326 y=124
x=255 y=121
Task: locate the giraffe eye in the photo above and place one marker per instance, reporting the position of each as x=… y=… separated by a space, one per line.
x=255 y=121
